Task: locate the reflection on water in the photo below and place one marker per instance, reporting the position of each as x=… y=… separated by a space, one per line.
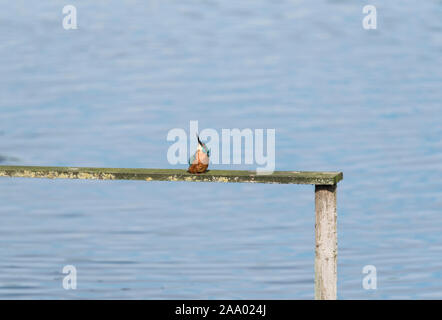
x=340 y=98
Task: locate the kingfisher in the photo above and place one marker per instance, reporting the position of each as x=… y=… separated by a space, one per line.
x=199 y=162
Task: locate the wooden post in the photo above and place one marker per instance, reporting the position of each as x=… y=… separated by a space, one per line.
x=325 y=200
x=326 y=242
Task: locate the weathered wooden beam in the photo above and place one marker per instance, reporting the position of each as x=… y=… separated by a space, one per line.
x=325 y=201
x=294 y=177
x=326 y=242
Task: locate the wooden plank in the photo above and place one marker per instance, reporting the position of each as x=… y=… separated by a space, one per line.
x=325 y=201
x=326 y=243
x=284 y=177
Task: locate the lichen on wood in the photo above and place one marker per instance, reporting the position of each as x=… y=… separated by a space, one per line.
x=284 y=177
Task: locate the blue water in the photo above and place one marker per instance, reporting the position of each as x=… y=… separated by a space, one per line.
x=341 y=98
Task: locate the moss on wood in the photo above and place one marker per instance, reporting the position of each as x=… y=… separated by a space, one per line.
x=284 y=177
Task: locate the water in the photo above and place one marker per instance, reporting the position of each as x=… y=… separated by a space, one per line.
x=367 y=103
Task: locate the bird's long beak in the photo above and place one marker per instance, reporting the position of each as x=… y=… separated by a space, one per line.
x=199 y=141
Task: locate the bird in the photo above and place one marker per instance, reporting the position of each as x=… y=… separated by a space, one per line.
x=199 y=162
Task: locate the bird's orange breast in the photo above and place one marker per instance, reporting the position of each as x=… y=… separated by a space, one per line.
x=200 y=164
